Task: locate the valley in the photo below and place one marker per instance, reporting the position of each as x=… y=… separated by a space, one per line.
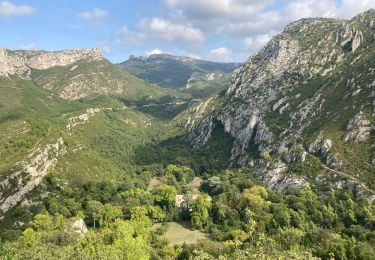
x=170 y=157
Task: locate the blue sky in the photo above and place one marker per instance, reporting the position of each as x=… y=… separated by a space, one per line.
x=219 y=30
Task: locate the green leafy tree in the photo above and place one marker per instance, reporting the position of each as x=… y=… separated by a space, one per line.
x=165 y=197
x=200 y=211
x=94 y=211
x=109 y=214
x=42 y=222
x=30 y=237
x=128 y=243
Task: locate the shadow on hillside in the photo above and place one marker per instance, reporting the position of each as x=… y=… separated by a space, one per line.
x=166 y=108
x=214 y=155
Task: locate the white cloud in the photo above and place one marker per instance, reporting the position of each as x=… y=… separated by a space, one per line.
x=104 y=46
x=251 y=23
x=350 y=8
x=222 y=54
x=29 y=47
x=218 y=9
x=262 y=23
x=125 y=36
x=153 y=52
x=310 y=8
x=257 y=42
x=7 y=9
x=164 y=30
x=93 y=15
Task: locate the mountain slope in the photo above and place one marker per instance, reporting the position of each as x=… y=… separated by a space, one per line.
x=75 y=74
x=170 y=71
x=309 y=91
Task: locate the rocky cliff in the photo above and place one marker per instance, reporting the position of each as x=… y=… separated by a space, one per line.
x=73 y=74
x=21 y=62
x=311 y=85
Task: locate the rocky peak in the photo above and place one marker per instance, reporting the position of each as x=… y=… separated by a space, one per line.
x=295 y=86
x=171 y=57
x=366 y=17
x=20 y=62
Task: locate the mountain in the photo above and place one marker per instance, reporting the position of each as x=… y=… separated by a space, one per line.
x=74 y=74
x=98 y=164
x=309 y=93
x=201 y=78
x=75 y=113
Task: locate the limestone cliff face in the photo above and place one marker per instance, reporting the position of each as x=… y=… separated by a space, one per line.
x=316 y=73
x=70 y=74
x=20 y=63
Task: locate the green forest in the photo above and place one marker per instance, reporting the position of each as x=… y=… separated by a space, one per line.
x=241 y=218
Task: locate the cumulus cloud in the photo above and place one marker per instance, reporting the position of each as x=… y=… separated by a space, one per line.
x=350 y=8
x=164 y=30
x=125 y=36
x=221 y=54
x=7 y=9
x=160 y=31
x=247 y=24
x=257 y=42
x=153 y=52
x=218 y=9
x=104 y=46
x=93 y=15
x=264 y=22
x=311 y=8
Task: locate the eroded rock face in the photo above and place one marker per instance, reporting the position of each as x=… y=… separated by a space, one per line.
x=20 y=183
x=358 y=129
x=40 y=161
x=20 y=63
x=81 y=119
x=278 y=180
x=285 y=94
x=320 y=145
x=269 y=83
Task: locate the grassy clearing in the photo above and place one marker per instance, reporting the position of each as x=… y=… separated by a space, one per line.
x=182 y=232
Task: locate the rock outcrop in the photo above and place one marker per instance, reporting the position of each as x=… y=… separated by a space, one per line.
x=34 y=169
x=20 y=63
x=295 y=88
x=358 y=129
x=79 y=227
x=40 y=161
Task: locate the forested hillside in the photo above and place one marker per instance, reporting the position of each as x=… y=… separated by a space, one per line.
x=99 y=164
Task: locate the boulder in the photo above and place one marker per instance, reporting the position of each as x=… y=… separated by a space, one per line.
x=79 y=227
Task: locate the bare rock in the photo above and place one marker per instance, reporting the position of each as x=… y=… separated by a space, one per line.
x=277 y=180
x=79 y=227
x=320 y=145
x=20 y=63
x=358 y=129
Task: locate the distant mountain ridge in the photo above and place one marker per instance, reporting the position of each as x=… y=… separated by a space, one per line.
x=169 y=71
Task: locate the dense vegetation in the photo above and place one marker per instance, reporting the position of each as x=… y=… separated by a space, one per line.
x=108 y=185
x=242 y=219
x=124 y=184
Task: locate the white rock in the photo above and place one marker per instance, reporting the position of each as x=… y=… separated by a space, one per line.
x=79 y=227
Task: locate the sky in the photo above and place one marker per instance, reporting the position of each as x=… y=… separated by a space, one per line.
x=217 y=30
